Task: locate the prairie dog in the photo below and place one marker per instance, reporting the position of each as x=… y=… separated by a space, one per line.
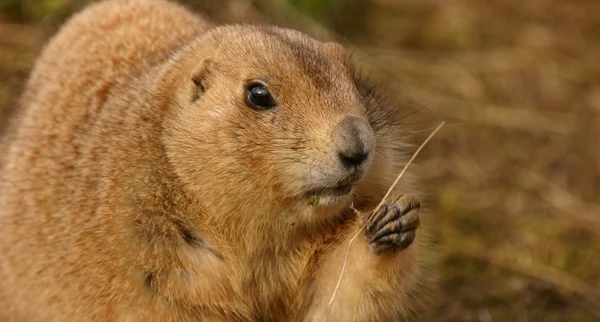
x=167 y=169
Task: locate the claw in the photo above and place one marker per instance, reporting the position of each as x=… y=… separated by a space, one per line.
x=393 y=226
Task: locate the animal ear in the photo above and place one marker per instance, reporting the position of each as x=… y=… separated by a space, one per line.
x=201 y=78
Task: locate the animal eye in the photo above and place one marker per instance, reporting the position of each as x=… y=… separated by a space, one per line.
x=258 y=97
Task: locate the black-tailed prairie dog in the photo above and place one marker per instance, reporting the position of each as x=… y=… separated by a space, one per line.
x=165 y=169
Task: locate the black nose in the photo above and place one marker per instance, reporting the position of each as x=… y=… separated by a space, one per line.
x=354 y=140
x=353 y=159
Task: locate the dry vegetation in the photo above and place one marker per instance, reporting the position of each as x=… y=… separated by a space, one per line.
x=512 y=179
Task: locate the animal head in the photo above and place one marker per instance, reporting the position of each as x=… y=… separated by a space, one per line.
x=270 y=114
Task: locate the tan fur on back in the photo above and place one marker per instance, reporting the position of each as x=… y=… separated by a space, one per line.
x=126 y=195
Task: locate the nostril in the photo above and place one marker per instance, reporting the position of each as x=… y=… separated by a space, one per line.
x=355 y=159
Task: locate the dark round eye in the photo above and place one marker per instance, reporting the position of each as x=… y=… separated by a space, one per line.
x=258 y=97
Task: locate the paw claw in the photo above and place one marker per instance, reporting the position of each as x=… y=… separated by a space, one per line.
x=393 y=226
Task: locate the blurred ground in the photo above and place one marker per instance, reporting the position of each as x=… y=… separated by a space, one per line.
x=513 y=179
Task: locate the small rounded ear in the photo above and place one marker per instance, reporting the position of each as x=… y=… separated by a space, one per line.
x=201 y=78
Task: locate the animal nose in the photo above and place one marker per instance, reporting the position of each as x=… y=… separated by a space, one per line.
x=354 y=140
x=353 y=159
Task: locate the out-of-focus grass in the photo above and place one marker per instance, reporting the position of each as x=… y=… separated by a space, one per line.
x=512 y=180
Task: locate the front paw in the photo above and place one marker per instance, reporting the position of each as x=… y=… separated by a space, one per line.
x=393 y=226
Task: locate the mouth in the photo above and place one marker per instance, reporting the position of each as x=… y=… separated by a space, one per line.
x=326 y=196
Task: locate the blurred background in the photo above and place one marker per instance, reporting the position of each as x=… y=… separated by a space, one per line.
x=512 y=181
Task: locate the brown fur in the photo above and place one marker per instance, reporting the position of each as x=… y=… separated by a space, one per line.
x=137 y=186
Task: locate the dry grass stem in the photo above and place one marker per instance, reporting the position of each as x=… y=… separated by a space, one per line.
x=378 y=206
